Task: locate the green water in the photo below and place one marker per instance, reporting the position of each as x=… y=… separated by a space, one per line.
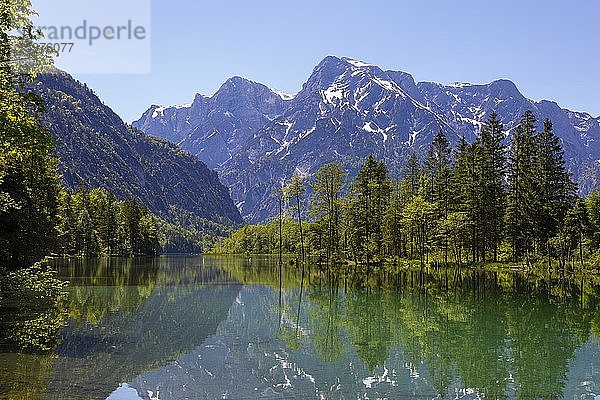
x=221 y=327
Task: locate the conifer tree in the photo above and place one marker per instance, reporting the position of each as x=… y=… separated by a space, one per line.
x=493 y=170
x=392 y=227
x=409 y=188
x=556 y=189
x=67 y=224
x=593 y=208
x=438 y=170
x=468 y=193
x=522 y=203
x=411 y=177
x=577 y=228
x=372 y=190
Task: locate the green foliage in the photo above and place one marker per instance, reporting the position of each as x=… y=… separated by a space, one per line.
x=28 y=178
x=493 y=173
x=368 y=201
x=293 y=192
x=262 y=239
x=417 y=219
x=326 y=210
x=481 y=203
x=94 y=222
x=540 y=190
x=32 y=305
x=521 y=203
x=19 y=50
x=593 y=211
x=30 y=183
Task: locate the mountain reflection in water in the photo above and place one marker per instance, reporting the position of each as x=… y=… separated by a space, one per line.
x=219 y=327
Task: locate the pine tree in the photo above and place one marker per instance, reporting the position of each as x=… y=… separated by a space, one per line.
x=418 y=216
x=556 y=189
x=438 y=170
x=109 y=224
x=372 y=193
x=392 y=228
x=411 y=177
x=409 y=188
x=149 y=233
x=593 y=207
x=493 y=170
x=522 y=201
x=467 y=190
x=577 y=227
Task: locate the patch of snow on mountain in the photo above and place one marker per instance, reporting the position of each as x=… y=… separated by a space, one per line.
x=457 y=98
x=303 y=172
x=213 y=133
x=284 y=95
x=478 y=112
x=387 y=85
x=371 y=127
x=180 y=106
x=413 y=136
x=159 y=111
x=459 y=85
x=308 y=132
x=361 y=93
x=357 y=63
x=288 y=125
x=333 y=92
x=273 y=138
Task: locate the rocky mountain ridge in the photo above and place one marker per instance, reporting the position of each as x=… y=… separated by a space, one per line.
x=256 y=137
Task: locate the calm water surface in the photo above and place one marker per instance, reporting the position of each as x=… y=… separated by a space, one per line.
x=221 y=328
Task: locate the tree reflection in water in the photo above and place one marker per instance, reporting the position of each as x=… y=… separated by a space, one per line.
x=153 y=322
x=504 y=334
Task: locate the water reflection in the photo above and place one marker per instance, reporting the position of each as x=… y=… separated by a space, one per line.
x=226 y=327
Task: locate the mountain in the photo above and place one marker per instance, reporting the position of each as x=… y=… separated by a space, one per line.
x=346 y=110
x=215 y=128
x=96 y=148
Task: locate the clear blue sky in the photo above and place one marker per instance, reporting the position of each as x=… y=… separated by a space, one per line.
x=550 y=49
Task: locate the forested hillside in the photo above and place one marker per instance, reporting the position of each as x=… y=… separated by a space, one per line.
x=97 y=149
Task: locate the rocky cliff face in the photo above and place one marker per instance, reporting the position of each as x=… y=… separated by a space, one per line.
x=215 y=128
x=347 y=109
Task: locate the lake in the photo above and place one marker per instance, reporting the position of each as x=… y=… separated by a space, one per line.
x=207 y=327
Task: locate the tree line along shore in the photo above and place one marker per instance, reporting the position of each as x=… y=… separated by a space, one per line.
x=479 y=203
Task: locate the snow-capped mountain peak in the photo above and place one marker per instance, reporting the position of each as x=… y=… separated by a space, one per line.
x=347 y=109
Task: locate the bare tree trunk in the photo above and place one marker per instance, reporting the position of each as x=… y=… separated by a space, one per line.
x=549 y=255
x=280 y=250
x=301 y=233
x=581 y=248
